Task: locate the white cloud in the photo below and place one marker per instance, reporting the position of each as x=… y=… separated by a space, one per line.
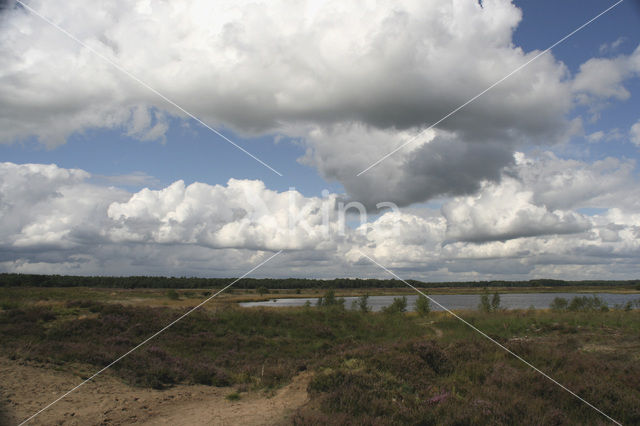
x=243 y=214
x=348 y=78
x=613 y=46
x=353 y=81
x=610 y=135
x=603 y=78
x=147 y=126
x=401 y=239
x=506 y=211
x=55 y=220
x=596 y=136
x=254 y=65
x=571 y=184
x=44 y=206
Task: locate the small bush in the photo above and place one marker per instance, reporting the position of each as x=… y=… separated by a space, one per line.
x=433 y=355
x=487 y=305
x=173 y=295
x=329 y=300
x=399 y=305
x=587 y=303
x=6 y=305
x=484 y=305
x=495 y=302
x=559 y=304
x=423 y=305
x=233 y=396
x=363 y=303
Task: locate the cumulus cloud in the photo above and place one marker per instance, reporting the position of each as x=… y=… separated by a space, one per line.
x=254 y=65
x=603 y=78
x=242 y=214
x=351 y=82
x=400 y=239
x=566 y=184
x=47 y=207
x=57 y=220
x=44 y=206
x=526 y=225
x=437 y=163
x=346 y=78
x=506 y=211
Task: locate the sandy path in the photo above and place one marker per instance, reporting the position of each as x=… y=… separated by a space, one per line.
x=26 y=388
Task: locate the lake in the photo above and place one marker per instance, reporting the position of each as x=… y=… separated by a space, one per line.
x=460 y=301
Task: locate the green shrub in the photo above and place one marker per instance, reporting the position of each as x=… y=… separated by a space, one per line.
x=329 y=300
x=233 y=396
x=587 y=303
x=559 y=304
x=487 y=305
x=363 y=303
x=484 y=305
x=423 y=305
x=495 y=302
x=399 y=305
x=262 y=290
x=173 y=295
x=6 y=305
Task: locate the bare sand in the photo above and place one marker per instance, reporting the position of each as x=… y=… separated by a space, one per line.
x=26 y=388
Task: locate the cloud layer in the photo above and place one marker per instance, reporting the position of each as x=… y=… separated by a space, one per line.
x=352 y=81
x=253 y=66
x=59 y=222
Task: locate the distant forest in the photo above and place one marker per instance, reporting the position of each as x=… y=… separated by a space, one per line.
x=32 y=280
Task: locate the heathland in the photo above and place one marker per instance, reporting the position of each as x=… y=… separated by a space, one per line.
x=356 y=367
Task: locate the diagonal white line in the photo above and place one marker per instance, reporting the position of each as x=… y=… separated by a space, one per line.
x=493 y=341
x=147 y=86
x=489 y=88
x=147 y=339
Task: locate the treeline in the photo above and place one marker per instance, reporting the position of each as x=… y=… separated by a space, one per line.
x=32 y=280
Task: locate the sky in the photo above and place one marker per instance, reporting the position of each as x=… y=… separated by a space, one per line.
x=197 y=138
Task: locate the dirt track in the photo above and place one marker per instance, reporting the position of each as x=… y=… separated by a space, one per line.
x=24 y=389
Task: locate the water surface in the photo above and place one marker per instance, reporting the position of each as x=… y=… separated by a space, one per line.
x=460 y=301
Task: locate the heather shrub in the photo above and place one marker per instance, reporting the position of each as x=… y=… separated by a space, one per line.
x=433 y=355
